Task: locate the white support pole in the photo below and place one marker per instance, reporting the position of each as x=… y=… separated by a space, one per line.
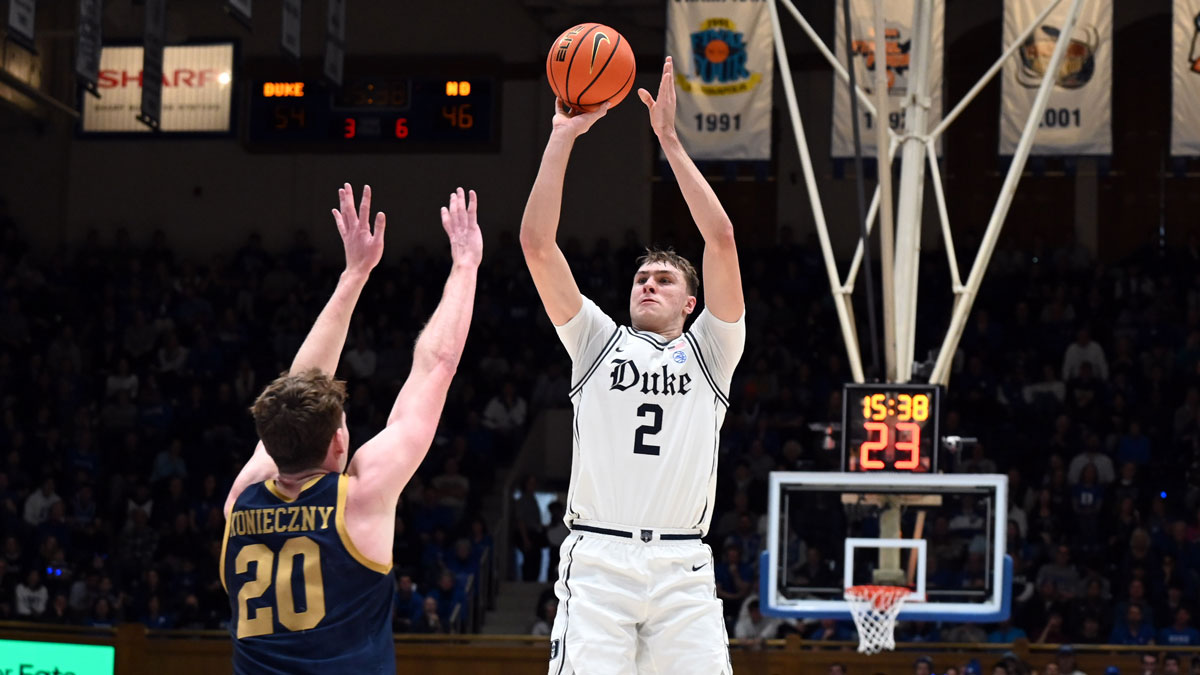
x=872 y=211
x=838 y=68
x=891 y=340
x=991 y=72
x=912 y=189
x=943 y=215
x=941 y=369
x=810 y=182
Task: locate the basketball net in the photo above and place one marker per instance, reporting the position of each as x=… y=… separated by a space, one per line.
x=875 y=609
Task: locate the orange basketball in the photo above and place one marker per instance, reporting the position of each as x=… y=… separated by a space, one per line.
x=590 y=64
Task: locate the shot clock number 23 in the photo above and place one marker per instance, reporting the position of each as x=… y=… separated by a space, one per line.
x=890 y=427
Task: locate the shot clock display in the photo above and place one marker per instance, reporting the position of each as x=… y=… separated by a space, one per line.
x=890 y=427
x=399 y=114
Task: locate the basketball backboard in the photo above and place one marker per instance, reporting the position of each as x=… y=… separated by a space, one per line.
x=941 y=535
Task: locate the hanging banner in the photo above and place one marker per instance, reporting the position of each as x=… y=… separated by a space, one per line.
x=1185 y=76
x=87 y=46
x=335 y=25
x=335 y=37
x=152 y=63
x=240 y=10
x=21 y=14
x=898 y=35
x=1078 y=116
x=289 y=37
x=724 y=60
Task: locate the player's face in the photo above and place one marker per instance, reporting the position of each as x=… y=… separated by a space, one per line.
x=659 y=300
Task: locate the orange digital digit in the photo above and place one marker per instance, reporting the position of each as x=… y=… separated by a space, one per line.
x=904 y=407
x=912 y=445
x=864 y=453
x=920 y=407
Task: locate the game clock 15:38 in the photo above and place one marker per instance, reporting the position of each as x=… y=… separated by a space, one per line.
x=890 y=427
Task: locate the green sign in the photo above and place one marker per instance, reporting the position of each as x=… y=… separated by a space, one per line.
x=55 y=658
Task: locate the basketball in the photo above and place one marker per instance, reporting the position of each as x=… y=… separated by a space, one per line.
x=590 y=64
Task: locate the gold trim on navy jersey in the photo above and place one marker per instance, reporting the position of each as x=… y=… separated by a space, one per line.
x=344 y=534
x=274 y=489
x=224 y=543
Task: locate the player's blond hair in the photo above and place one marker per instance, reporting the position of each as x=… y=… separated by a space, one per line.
x=668 y=256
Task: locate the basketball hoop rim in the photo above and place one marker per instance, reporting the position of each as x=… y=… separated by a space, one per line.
x=882 y=596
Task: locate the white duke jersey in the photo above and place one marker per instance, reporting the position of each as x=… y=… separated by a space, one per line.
x=647 y=415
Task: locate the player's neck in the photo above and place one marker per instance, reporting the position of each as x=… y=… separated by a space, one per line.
x=291 y=484
x=669 y=333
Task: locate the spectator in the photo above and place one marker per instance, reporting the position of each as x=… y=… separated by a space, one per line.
x=408 y=607
x=453 y=487
x=505 y=412
x=1091 y=454
x=753 y=625
x=1084 y=350
x=529 y=533
x=1061 y=574
x=1170 y=664
x=1180 y=632
x=361 y=359
x=169 y=462
x=1065 y=660
x=733 y=579
x=1132 y=630
x=1006 y=633
x=430 y=620
x=31 y=596
x=37 y=505
x=545 y=619
x=59 y=612
x=448 y=595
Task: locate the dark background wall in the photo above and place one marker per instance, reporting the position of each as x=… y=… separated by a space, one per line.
x=211 y=193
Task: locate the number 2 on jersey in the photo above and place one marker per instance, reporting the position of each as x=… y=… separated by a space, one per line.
x=640 y=447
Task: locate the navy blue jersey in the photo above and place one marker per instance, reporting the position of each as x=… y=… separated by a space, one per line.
x=303 y=599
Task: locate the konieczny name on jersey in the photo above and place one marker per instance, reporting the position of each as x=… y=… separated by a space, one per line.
x=279 y=519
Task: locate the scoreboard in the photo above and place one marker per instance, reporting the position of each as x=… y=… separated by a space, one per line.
x=392 y=113
x=890 y=427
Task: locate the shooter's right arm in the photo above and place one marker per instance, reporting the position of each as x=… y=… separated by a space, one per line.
x=539 y=226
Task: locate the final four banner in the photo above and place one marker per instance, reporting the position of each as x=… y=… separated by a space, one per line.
x=898 y=38
x=1078 y=116
x=1185 y=69
x=724 y=60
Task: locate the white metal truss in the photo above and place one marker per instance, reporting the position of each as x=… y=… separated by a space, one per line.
x=900 y=249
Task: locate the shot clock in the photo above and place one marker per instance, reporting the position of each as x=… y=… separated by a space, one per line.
x=890 y=427
x=398 y=113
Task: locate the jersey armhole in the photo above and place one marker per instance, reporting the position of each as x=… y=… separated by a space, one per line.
x=344 y=534
x=224 y=544
x=612 y=341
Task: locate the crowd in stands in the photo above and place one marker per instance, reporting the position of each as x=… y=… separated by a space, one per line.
x=126 y=370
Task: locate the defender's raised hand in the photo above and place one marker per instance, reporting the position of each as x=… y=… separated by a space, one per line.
x=460 y=220
x=573 y=122
x=364 y=248
x=662 y=109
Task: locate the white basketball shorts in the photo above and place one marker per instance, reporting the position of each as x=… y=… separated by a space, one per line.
x=631 y=606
